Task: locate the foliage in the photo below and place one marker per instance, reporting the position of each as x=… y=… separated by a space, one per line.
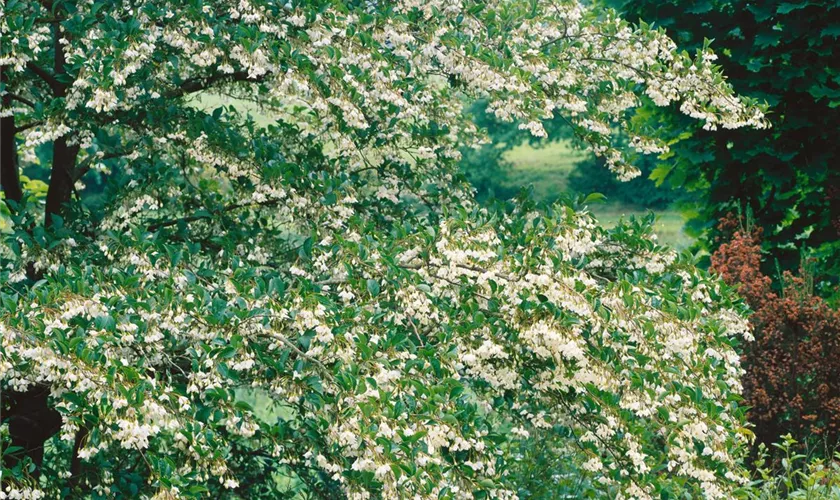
x=333 y=262
x=484 y=164
x=792 y=381
x=783 y=52
x=590 y=176
x=489 y=170
x=796 y=475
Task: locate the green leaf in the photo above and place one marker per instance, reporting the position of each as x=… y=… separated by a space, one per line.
x=660 y=173
x=487 y=483
x=373 y=287
x=594 y=198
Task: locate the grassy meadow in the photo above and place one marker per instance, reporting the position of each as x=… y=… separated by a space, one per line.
x=547 y=169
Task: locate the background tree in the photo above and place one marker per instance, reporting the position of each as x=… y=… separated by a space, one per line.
x=319 y=298
x=782 y=52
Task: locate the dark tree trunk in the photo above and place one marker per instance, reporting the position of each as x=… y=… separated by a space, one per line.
x=61 y=181
x=31 y=422
x=9 y=176
x=31 y=419
x=64 y=155
x=76 y=468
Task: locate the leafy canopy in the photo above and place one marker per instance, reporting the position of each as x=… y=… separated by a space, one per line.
x=782 y=52
x=333 y=262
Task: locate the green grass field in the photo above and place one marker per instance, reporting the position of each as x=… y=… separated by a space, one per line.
x=547 y=169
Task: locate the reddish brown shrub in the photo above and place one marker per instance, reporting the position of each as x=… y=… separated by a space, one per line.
x=792 y=381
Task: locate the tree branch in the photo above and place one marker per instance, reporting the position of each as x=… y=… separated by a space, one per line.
x=45 y=75
x=84 y=167
x=192 y=218
x=198 y=84
x=189 y=86
x=21 y=99
x=28 y=126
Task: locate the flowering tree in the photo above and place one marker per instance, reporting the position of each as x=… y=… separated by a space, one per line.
x=333 y=264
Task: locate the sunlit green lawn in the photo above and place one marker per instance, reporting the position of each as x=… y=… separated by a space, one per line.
x=547 y=170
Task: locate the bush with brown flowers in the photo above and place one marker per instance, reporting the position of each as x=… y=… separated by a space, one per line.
x=792 y=380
